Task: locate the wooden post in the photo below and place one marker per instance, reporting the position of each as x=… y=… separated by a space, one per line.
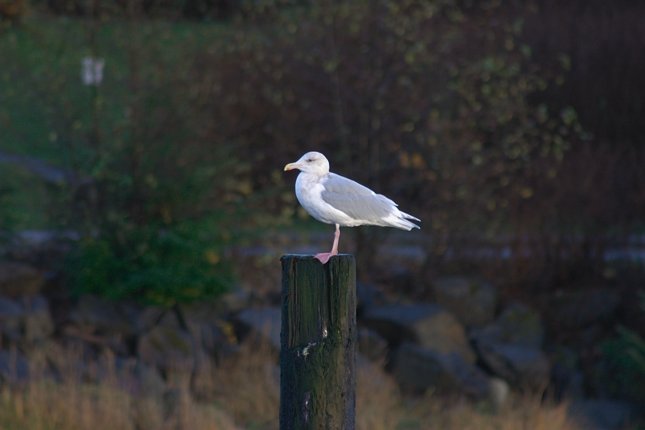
x=318 y=337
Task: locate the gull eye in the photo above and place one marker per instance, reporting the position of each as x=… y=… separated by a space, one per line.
x=309 y=160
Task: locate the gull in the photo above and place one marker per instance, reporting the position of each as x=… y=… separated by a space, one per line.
x=335 y=199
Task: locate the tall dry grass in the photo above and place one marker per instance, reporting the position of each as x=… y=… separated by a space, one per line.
x=520 y=414
x=380 y=406
x=242 y=392
x=69 y=402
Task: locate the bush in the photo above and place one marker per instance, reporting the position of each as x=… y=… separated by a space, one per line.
x=153 y=264
x=625 y=359
x=162 y=199
x=155 y=200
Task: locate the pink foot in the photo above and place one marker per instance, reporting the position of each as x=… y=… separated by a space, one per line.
x=324 y=257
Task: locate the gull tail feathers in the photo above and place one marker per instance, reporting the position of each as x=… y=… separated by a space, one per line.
x=408 y=216
x=400 y=219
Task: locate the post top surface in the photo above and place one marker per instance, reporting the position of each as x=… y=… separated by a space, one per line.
x=311 y=257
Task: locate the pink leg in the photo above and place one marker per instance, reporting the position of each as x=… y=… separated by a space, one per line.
x=324 y=257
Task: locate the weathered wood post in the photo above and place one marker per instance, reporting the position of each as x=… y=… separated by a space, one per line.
x=318 y=337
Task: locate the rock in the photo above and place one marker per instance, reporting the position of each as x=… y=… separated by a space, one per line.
x=416 y=369
x=149 y=380
x=263 y=322
x=167 y=347
x=498 y=392
x=523 y=367
x=235 y=300
x=104 y=317
x=25 y=321
x=472 y=301
x=216 y=337
x=597 y=414
x=17 y=279
x=371 y=345
x=510 y=348
x=178 y=352
x=11 y=316
x=13 y=367
x=211 y=334
x=149 y=317
x=427 y=325
x=99 y=323
x=567 y=379
x=42 y=247
x=367 y=296
x=517 y=325
x=577 y=309
x=38 y=323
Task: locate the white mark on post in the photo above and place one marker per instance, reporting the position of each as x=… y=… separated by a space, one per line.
x=305 y=406
x=305 y=350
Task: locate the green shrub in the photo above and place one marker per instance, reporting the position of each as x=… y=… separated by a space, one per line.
x=155 y=199
x=155 y=264
x=625 y=357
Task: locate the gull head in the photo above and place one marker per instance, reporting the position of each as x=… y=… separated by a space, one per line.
x=312 y=162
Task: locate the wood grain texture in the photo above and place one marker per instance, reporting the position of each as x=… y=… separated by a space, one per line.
x=318 y=337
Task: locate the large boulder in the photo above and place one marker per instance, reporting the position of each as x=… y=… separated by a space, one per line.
x=523 y=367
x=235 y=300
x=517 y=324
x=38 y=323
x=600 y=414
x=148 y=379
x=13 y=367
x=210 y=333
x=100 y=316
x=367 y=296
x=510 y=348
x=18 y=279
x=98 y=323
x=427 y=325
x=473 y=301
x=176 y=350
x=264 y=323
x=371 y=345
x=11 y=317
x=578 y=309
x=416 y=369
x=567 y=379
x=168 y=345
x=25 y=321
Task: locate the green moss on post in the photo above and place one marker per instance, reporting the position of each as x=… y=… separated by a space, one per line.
x=318 y=337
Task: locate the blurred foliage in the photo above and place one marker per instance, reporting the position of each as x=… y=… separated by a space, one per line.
x=454 y=108
x=429 y=102
x=153 y=264
x=168 y=9
x=155 y=200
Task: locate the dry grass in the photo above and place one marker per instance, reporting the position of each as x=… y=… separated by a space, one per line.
x=243 y=393
x=248 y=386
x=380 y=406
x=72 y=404
x=61 y=406
x=521 y=414
x=378 y=401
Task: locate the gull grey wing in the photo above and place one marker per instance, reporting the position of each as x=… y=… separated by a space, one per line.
x=356 y=200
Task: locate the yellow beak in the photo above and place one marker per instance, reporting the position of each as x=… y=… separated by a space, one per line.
x=290 y=166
